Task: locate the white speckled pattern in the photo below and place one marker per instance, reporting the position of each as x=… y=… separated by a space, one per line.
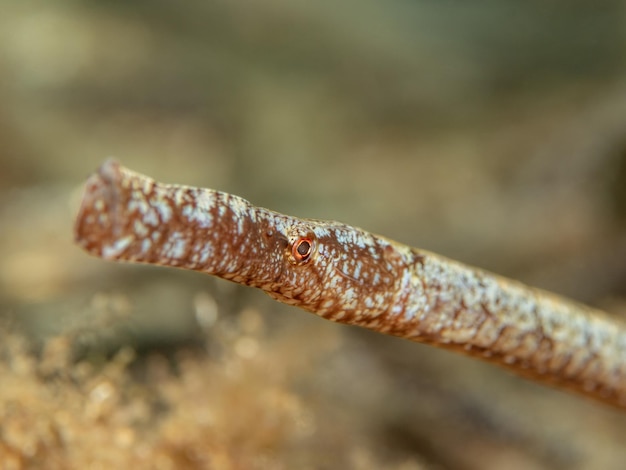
x=351 y=276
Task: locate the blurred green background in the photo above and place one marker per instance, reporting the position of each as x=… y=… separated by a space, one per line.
x=493 y=132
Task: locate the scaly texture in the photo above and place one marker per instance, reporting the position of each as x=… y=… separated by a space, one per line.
x=348 y=275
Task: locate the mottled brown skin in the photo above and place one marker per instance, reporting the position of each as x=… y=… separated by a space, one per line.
x=348 y=275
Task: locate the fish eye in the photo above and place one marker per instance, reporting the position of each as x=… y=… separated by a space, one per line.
x=302 y=249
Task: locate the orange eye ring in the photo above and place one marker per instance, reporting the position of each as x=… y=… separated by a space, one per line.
x=302 y=250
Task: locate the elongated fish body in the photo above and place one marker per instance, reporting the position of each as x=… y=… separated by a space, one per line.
x=348 y=275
